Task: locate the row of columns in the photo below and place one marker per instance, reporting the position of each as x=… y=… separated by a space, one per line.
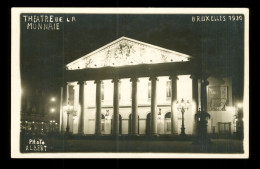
x=115 y=131
x=174 y=116
x=134 y=107
x=195 y=101
x=98 y=107
x=81 y=103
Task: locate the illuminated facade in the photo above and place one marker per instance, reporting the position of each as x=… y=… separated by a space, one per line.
x=130 y=87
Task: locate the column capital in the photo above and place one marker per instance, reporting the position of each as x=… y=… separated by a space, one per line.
x=97 y=81
x=71 y=83
x=134 y=79
x=82 y=82
x=115 y=80
x=174 y=77
x=153 y=78
x=205 y=82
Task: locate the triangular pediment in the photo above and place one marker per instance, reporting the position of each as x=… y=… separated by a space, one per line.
x=126 y=51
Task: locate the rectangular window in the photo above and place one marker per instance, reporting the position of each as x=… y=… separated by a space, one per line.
x=168 y=90
x=149 y=90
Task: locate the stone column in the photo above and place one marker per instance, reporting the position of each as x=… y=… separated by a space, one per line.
x=98 y=107
x=153 y=106
x=61 y=111
x=134 y=107
x=81 y=103
x=174 y=113
x=202 y=130
x=115 y=130
x=65 y=94
x=64 y=103
x=204 y=84
x=194 y=102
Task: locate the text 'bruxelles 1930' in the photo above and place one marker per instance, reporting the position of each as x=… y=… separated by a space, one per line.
x=45 y=22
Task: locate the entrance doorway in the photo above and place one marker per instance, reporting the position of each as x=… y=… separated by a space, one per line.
x=120 y=124
x=148 y=124
x=130 y=125
x=102 y=124
x=167 y=123
x=224 y=129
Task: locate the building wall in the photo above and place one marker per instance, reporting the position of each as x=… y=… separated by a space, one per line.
x=184 y=90
x=221 y=116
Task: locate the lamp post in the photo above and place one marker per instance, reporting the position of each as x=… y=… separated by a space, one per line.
x=42 y=126
x=52 y=112
x=50 y=126
x=202 y=118
x=52 y=122
x=69 y=109
x=182 y=106
x=55 y=126
x=32 y=128
x=53 y=99
x=239 y=122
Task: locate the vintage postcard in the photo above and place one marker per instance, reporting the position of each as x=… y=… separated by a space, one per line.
x=130 y=83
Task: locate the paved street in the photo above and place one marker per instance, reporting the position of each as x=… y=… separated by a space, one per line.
x=94 y=145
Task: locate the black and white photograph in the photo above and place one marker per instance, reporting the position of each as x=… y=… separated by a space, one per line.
x=130 y=83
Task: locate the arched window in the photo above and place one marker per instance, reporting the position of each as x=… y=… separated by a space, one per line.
x=168 y=115
x=120 y=124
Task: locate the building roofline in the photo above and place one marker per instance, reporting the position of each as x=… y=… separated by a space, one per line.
x=136 y=41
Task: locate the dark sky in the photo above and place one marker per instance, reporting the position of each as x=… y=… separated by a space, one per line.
x=44 y=53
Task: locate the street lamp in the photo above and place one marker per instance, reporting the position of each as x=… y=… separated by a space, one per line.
x=239 y=105
x=32 y=127
x=52 y=110
x=52 y=122
x=53 y=99
x=55 y=127
x=239 y=122
x=42 y=126
x=182 y=106
x=70 y=110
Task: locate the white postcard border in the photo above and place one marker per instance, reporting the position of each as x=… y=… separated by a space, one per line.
x=16 y=82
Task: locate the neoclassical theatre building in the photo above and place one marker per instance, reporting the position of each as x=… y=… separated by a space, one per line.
x=128 y=87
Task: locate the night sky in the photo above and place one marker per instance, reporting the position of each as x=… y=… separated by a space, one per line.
x=44 y=53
